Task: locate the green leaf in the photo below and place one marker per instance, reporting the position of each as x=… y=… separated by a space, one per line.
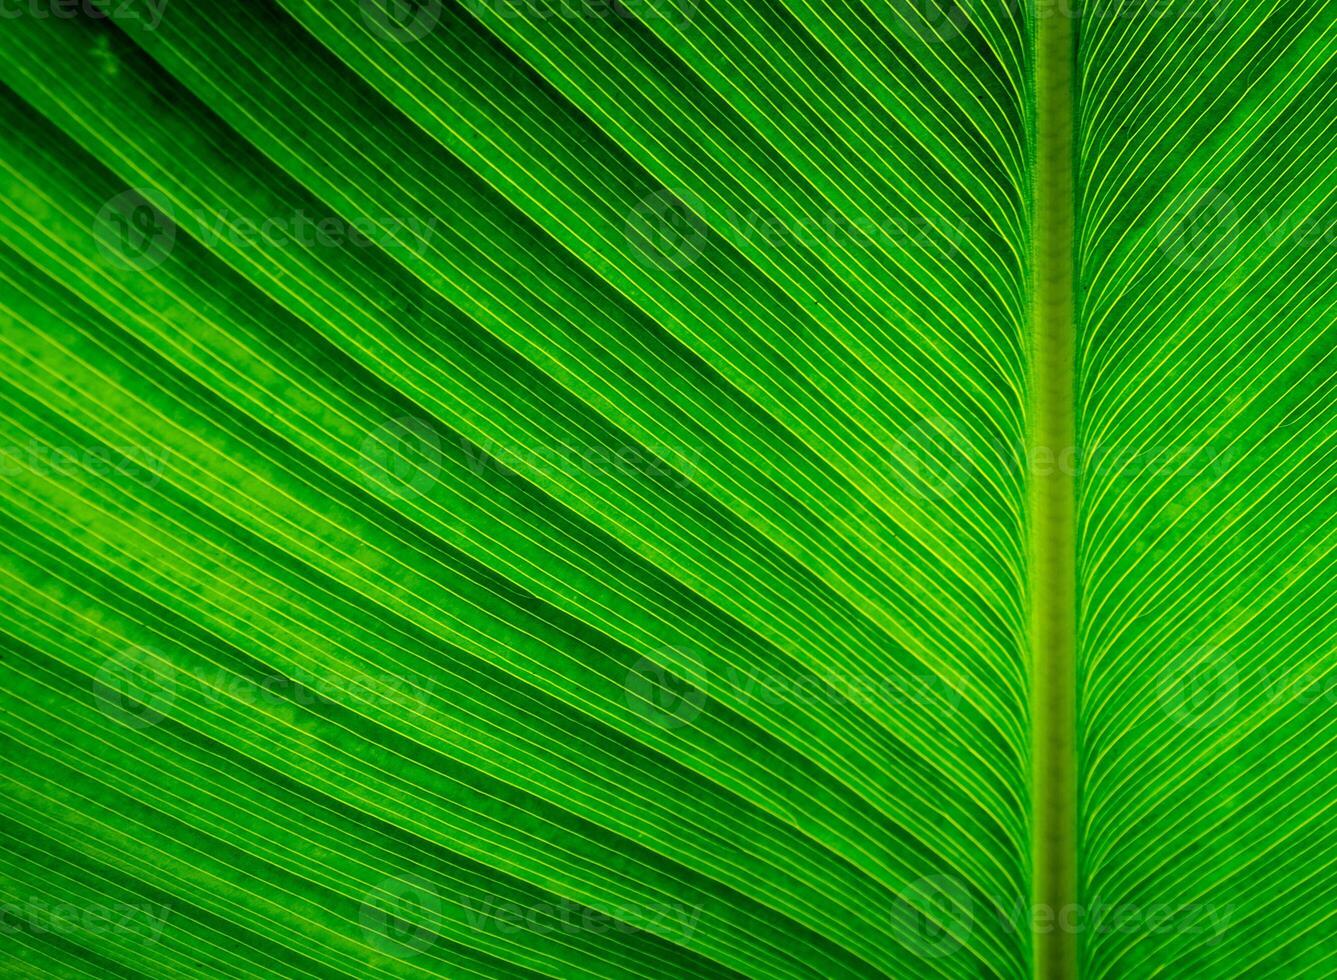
x=658 y=488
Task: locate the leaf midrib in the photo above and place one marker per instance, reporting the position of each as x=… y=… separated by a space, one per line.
x=1050 y=491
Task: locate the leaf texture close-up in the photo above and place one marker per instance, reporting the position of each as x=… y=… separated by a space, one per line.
x=668 y=488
